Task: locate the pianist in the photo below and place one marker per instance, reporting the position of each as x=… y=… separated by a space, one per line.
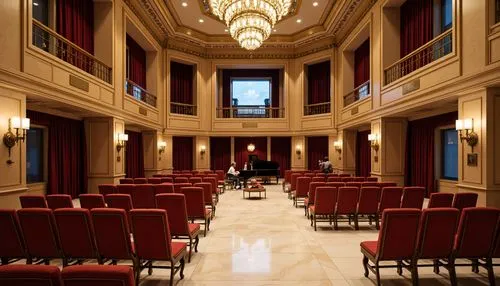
x=233 y=175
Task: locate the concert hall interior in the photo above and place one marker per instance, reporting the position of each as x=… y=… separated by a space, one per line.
x=250 y=142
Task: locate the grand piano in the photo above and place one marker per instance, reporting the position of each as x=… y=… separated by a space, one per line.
x=260 y=168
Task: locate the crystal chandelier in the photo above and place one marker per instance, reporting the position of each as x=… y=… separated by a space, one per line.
x=250 y=22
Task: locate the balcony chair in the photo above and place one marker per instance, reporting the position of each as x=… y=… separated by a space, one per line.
x=33 y=201
x=301 y=190
x=413 y=198
x=323 y=208
x=311 y=196
x=33 y=275
x=98 y=275
x=195 y=204
x=347 y=202
x=12 y=246
x=440 y=200
x=369 y=198
x=59 y=201
x=90 y=201
x=107 y=189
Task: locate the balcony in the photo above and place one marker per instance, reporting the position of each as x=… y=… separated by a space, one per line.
x=49 y=41
x=139 y=93
x=250 y=111
x=182 y=108
x=360 y=92
x=437 y=48
x=318 y=108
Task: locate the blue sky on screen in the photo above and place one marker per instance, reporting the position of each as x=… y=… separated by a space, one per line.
x=251 y=92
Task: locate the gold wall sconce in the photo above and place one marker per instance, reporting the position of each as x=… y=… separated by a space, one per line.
x=122 y=140
x=373 y=138
x=298 y=150
x=162 y=145
x=10 y=139
x=250 y=147
x=203 y=150
x=470 y=136
x=338 y=147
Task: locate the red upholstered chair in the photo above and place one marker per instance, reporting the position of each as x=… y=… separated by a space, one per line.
x=194 y=180
x=215 y=191
x=33 y=201
x=140 y=181
x=90 y=201
x=207 y=195
x=323 y=208
x=370 y=184
x=396 y=242
x=413 y=197
x=293 y=183
x=286 y=179
x=390 y=198
x=368 y=205
x=371 y=179
x=358 y=179
x=167 y=180
x=464 y=200
x=30 y=275
x=301 y=190
x=119 y=201
x=126 y=189
x=335 y=184
x=440 y=200
x=181 y=180
x=143 y=196
x=98 y=275
x=179 y=186
x=310 y=174
x=334 y=179
x=40 y=234
x=220 y=175
x=107 y=189
x=187 y=172
x=353 y=184
x=76 y=234
x=164 y=188
x=318 y=179
x=175 y=205
x=59 y=201
x=344 y=175
x=112 y=235
x=154 y=181
x=311 y=195
x=387 y=184
x=126 y=181
x=347 y=179
x=158 y=175
x=12 y=246
x=195 y=203
x=436 y=236
x=153 y=242
x=347 y=202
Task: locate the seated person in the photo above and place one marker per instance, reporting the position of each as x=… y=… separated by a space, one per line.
x=233 y=175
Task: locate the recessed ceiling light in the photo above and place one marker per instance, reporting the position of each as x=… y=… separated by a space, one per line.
x=201 y=20
x=315 y=4
x=299 y=21
x=184 y=4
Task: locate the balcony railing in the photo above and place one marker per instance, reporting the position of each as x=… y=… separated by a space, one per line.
x=55 y=44
x=250 y=111
x=182 y=108
x=139 y=93
x=358 y=93
x=318 y=108
x=426 y=54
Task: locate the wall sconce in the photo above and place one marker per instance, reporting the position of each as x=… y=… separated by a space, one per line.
x=373 y=138
x=250 y=147
x=10 y=139
x=203 y=149
x=338 y=147
x=298 y=150
x=161 y=148
x=470 y=136
x=122 y=140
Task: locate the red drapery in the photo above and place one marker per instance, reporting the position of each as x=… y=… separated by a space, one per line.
x=420 y=151
x=182 y=149
x=181 y=83
x=362 y=63
x=317 y=149
x=137 y=62
x=416 y=25
x=318 y=83
x=281 y=148
x=220 y=153
x=134 y=155
x=75 y=22
x=67 y=153
x=241 y=153
x=363 y=154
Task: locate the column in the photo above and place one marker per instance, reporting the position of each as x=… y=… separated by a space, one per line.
x=154 y=150
x=345 y=162
x=299 y=154
x=165 y=160
x=202 y=153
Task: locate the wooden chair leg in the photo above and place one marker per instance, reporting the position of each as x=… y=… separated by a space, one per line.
x=365 y=265
x=436 y=266
x=452 y=272
x=399 y=267
x=190 y=249
x=183 y=263
x=196 y=241
x=377 y=273
x=172 y=273
x=311 y=217
x=491 y=274
x=356 y=221
x=314 y=222
x=377 y=222
x=414 y=272
x=138 y=272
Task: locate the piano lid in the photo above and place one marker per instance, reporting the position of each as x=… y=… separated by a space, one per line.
x=268 y=165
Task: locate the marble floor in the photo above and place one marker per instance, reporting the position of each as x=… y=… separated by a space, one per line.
x=269 y=242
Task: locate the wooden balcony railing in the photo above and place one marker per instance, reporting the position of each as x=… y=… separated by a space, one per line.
x=139 y=93
x=358 y=93
x=426 y=54
x=250 y=111
x=318 y=108
x=182 y=108
x=58 y=46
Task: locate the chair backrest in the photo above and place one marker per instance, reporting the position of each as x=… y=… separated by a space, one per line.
x=440 y=200
x=179 y=186
x=126 y=189
x=335 y=184
x=334 y=179
x=106 y=189
x=370 y=184
x=413 y=197
x=11 y=239
x=143 y=196
x=318 y=179
x=194 y=180
x=112 y=233
x=476 y=232
x=220 y=174
x=390 y=198
x=212 y=181
x=371 y=179
x=436 y=233
x=40 y=232
x=302 y=186
x=397 y=237
x=167 y=180
x=139 y=181
x=464 y=200
x=33 y=201
x=347 y=179
x=312 y=190
x=293 y=180
x=325 y=200
x=164 y=188
x=76 y=233
x=181 y=180
x=347 y=200
x=368 y=200
x=59 y=201
x=195 y=201
x=175 y=205
x=358 y=179
x=288 y=173
x=32 y=275
x=310 y=174
x=151 y=231
x=207 y=191
x=344 y=175
x=154 y=181
x=332 y=175
x=126 y=181
x=98 y=275
x=119 y=201
x=387 y=184
x=90 y=201
x=353 y=184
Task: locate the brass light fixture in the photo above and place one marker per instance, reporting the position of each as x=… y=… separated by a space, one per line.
x=10 y=139
x=122 y=140
x=161 y=148
x=373 y=138
x=298 y=150
x=338 y=147
x=203 y=150
x=250 y=147
x=470 y=136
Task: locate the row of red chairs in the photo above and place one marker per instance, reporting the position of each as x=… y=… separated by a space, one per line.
x=78 y=275
x=409 y=235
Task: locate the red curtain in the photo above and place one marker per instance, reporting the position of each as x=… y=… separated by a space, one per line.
x=362 y=63
x=241 y=153
x=220 y=153
x=137 y=62
x=182 y=149
x=281 y=148
x=416 y=25
x=67 y=153
x=318 y=83
x=75 y=22
x=363 y=154
x=317 y=149
x=134 y=155
x=420 y=151
x=181 y=83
